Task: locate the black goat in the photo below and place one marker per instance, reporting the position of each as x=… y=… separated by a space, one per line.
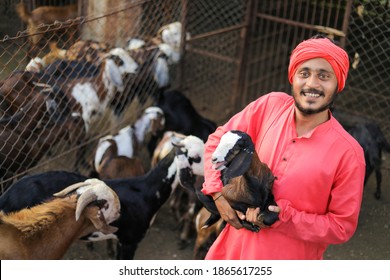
x=370 y=136
x=141 y=197
x=182 y=117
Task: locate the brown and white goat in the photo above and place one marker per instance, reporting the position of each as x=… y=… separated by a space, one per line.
x=117 y=155
x=47 y=230
x=90 y=96
x=88 y=50
x=114 y=166
x=205 y=237
x=34 y=120
x=165 y=146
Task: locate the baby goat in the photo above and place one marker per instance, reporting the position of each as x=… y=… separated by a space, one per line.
x=247 y=181
x=47 y=230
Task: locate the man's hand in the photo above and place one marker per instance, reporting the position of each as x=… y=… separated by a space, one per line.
x=254 y=216
x=228 y=214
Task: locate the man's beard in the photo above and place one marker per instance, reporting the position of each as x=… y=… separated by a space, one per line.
x=310 y=111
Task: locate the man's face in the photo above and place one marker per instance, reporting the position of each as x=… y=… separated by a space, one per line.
x=314 y=86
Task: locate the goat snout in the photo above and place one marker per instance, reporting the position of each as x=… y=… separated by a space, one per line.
x=218 y=164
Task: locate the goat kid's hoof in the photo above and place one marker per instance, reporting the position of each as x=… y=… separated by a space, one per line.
x=250 y=226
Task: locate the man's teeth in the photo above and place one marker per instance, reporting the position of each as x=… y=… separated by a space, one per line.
x=312 y=94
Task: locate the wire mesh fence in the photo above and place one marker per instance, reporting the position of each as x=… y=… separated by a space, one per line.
x=231 y=53
x=79 y=81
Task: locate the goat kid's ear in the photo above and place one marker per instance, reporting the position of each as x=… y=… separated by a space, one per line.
x=239 y=165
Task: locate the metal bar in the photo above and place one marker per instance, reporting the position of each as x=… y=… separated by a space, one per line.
x=239 y=81
x=213 y=55
x=183 y=20
x=345 y=26
x=217 y=32
x=320 y=28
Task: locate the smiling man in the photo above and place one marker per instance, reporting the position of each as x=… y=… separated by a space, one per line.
x=319 y=168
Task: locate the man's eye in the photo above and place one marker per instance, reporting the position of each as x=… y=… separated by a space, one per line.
x=324 y=76
x=304 y=74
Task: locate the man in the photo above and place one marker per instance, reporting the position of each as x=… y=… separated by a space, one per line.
x=319 y=167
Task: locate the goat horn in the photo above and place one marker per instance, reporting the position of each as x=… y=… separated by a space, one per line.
x=99 y=191
x=71 y=188
x=85 y=198
x=177 y=144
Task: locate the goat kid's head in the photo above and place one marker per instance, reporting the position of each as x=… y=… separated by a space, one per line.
x=95 y=193
x=171 y=34
x=189 y=154
x=234 y=153
x=157 y=119
x=125 y=63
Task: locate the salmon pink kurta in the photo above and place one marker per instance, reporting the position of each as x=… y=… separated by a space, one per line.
x=319 y=185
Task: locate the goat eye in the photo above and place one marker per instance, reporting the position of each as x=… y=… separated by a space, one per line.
x=194 y=159
x=117 y=60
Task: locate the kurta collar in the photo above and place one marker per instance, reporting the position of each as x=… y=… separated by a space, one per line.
x=320 y=129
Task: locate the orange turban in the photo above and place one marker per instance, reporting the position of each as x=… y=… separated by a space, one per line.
x=321 y=48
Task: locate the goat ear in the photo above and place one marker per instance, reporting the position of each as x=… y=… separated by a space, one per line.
x=239 y=165
x=97 y=218
x=113 y=74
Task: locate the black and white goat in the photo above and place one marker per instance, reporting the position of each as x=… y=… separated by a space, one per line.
x=141 y=197
x=182 y=117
